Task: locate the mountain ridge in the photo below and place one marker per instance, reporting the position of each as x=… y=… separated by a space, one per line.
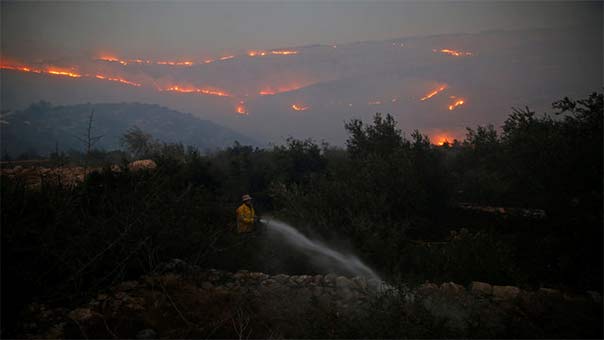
x=43 y=127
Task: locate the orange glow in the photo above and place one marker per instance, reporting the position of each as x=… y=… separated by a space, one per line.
x=300 y=107
x=119 y=80
x=434 y=93
x=66 y=72
x=226 y=57
x=208 y=91
x=440 y=140
x=175 y=63
x=454 y=52
x=284 y=52
x=241 y=108
x=62 y=72
x=456 y=104
x=273 y=91
x=254 y=53
x=113 y=60
x=20 y=68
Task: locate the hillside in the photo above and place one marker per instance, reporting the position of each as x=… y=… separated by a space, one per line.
x=41 y=127
x=329 y=84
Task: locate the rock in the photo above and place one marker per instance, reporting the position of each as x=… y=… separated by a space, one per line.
x=481 y=288
x=374 y=283
x=281 y=278
x=257 y=276
x=330 y=278
x=505 y=292
x=317 y=280
x=549 y=292
x=146 y=164
x=360 y=282
x=268 y=283
x=147 y=333
x=304 y=279
x=452 y=288
x=427 y=288
x=343 y=283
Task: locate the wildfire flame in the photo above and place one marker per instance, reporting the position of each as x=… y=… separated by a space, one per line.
x=375 y=102
x=208 y=91
x=241 y=109
x=456 y=104
x=227 y=57
x=61 y=72
x=284 y=52
x=434 y=93
x=453 y=52
x=113 y=60
x=66 y=72
x=175 y=63
x=269 y=91
x=300 y=107
x=119 y=80
x=440 y=140
x=255 y=53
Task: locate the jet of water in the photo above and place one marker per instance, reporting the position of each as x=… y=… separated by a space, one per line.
x=350 y=263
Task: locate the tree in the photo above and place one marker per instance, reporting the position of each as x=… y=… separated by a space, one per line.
x=139 y=143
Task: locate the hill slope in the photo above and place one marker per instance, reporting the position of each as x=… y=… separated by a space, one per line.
x=41 y=126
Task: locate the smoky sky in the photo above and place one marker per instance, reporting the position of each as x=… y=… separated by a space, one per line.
x=193 y=29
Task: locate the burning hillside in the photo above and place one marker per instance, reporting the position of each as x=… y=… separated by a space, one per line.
x=415 y=79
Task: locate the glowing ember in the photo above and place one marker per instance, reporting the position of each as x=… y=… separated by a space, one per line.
x=211 y=92
x=113 y=60
x=20 y=68
x=241 y=109
x=453 y=52
x=61 y=72
x=256 y=53
x=175 y=63
x=284 y=52
x=119 y=80
x=434 y=93
x=68 y=73
x=456 y=104
x=273 y=91
x=298 y=107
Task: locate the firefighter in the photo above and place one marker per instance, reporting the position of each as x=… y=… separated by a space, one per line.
x=246 y=215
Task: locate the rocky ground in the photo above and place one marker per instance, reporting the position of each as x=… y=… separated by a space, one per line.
x=182 y=301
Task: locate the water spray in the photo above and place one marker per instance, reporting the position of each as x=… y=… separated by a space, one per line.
x=349 y=262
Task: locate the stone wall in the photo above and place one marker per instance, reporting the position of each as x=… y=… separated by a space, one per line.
x=184 y=301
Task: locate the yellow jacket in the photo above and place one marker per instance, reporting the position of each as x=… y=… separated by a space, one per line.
x=245 y=218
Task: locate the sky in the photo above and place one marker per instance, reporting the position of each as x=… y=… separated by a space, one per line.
x=193 y=29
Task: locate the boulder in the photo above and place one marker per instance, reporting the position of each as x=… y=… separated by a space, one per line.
x=505 y=292
x=343 y=283
x=481 y=288
x=452 y=288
